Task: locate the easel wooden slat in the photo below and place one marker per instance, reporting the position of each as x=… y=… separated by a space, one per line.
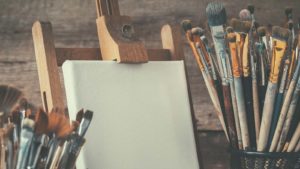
x=171 y=39
x=47 y=65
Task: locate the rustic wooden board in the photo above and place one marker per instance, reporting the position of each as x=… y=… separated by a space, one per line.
x=74 y=25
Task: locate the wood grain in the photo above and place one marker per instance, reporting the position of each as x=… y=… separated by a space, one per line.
x=74 y=25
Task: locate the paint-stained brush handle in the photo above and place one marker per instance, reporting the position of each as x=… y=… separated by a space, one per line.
x=230 y=117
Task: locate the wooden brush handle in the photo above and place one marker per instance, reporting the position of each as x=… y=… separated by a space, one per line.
x=290 y=114
x=267 y=116
x=230 y=117
x=256 y=109
x=295 y=139
x=249 y=109
x=283 y=113
x=262 y=93
x=242 y=112
x=276 y=114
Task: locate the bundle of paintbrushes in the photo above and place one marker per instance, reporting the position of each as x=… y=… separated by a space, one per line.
x=41 y=140
x=252 y=76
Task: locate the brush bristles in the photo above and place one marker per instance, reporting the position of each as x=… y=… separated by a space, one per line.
x=216 y=14
x=290 y=25
x=197 y=31
x=28 y=123
x=240 y=26
x=261 y=31
x=251 y=8
x=88 y=115
x=245 y=15
x=288 y=12
x=280 y=33
x=186 y=25
x=231 y=37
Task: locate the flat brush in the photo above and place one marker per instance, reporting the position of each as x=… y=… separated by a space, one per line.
x=242 y=28
x=85 y=123
x=186 y=25
x=241 y=119
x=79 y=115
x=25 y=141
x=216 y=19
x=280 y=37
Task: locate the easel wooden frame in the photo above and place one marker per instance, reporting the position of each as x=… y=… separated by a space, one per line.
x=115 y=44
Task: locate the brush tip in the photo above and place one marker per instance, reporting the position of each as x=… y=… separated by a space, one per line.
x=186 y=25
x=280 y=33
x=261 y=31
x=197 y=31
x=240 y=26
x=251 y=8
x=88 y=114
x=229 y=29
x=288 y=11
x=245 y=15
x=290 y=24
x=216 y=14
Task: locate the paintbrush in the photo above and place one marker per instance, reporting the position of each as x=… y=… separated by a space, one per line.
x=264 y=63
x=9 y=97
x=295 y=139
x=85 y=123
x=280 y=37
x=71 y=151
x=186 y=25
x=293 y=128
x=241 y=119
x=278 y=102
x=242 y=28
x=253 y=57
x=25 y=141
x=288 y=118
x=285 y=107
x=39 y=139
x=216 y=19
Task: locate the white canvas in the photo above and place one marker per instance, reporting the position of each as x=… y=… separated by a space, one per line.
x=142 y=117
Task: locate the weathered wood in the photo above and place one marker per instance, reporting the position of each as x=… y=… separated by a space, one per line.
x=171 y=39
x=118 y=40
x=73 y=24
x=64 y=54
x=50 y=85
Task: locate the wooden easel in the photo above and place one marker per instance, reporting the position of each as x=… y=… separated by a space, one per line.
x=117 y=42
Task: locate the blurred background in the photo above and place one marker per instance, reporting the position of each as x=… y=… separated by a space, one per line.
x=74 y=25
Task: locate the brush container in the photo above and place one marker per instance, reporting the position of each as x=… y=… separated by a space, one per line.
x=259 y=160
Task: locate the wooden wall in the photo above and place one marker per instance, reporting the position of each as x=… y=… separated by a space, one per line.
x=74 y=26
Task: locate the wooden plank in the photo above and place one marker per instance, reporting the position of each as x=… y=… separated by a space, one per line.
x=171 y=39
x=64 y=54
x=158 y=54
x=50 y=85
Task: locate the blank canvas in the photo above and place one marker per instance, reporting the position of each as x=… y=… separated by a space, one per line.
x=142 y=116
